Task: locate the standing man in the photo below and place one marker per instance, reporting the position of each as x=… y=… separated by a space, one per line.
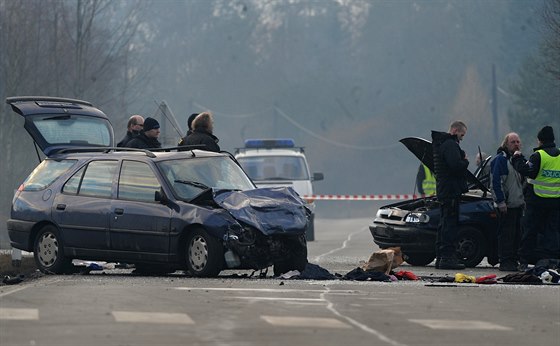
x=133 y=128
x=507 y=191
x=190 y=130
x=450 y=164
x=425 y=181
x=148 y=138
x=203 y=127
x=541 y=223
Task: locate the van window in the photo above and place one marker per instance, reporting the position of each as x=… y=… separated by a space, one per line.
x=275 y=167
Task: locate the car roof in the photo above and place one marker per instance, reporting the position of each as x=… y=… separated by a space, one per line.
x=56 y=123
x=129 y=153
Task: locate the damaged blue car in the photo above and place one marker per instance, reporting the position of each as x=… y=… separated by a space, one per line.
x=162 y=211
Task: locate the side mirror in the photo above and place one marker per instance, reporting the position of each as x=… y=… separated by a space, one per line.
x=318 y=176
x=161 y=197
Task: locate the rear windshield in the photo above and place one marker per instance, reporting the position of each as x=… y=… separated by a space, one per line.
x=275 y=167
x=73 y=129
x=46 y=173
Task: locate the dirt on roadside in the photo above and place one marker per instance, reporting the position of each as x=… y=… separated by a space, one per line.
x=10 y=274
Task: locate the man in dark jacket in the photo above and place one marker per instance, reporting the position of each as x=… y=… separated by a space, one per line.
x=148 y=138
x=450 y=164
x=203 y=126
x=540 y=237
x=190 y=130
x=133 y=128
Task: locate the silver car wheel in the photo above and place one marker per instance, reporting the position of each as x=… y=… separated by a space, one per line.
x=47 y=249
x=198 y=253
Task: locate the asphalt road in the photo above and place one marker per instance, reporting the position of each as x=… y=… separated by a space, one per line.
x=114 y=307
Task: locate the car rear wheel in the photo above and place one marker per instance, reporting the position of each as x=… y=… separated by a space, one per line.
x=204 y=254
x=297 y=260
x=471 y=246
x=419 y=258
x=48 y=252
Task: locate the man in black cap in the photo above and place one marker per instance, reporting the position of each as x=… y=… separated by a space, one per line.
x=541 y=223
x=148 y=138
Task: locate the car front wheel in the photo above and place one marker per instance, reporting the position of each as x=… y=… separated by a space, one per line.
x=204 y=254
x=471 y=246
x=419 y=258
x=49 y=253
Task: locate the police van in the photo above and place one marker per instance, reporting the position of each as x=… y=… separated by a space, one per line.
x=278 y=162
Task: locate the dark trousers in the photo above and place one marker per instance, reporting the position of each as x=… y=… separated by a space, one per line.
x=448 y=228
x=509 y=234
x=540 y=237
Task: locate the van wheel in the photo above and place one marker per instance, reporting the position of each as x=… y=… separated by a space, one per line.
x=48 y=252
x=204 y=254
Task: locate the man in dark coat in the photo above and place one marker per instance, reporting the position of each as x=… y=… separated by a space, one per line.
x=450 y=164
x=203 y=126
x=540 y=237
x=148 y=138
x=190 y=130
x=133 y=128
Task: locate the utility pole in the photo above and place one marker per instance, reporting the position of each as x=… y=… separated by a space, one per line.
x=494 y=102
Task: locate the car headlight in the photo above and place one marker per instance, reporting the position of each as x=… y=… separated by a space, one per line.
x=417 y=218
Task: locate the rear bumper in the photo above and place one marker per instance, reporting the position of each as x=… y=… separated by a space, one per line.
x=19 y=233
x=410 y=239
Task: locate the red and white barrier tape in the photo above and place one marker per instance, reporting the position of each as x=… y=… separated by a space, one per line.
x=360 y=197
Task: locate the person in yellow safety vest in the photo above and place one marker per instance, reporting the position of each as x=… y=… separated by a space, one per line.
x=425 y=181
x=540 y=238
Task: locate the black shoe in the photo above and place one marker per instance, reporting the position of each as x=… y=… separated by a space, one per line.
x=509 y=267
x=449 y=263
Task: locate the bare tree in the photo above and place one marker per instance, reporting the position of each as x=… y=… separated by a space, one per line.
x=551 y=43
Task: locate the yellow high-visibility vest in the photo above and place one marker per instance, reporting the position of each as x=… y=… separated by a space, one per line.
x=429 y=182
x=547 y=182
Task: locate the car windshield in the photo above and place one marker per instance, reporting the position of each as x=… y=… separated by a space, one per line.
x=275 y=167
x=46 y=173
x=72 y=129
x=188 y=177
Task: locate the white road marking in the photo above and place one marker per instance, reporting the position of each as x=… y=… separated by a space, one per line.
x=270 y=290
x=152 y=317
x=274 y=299
x=19 y=314
x=306 y=322
x=459 y=324
x=344 y=245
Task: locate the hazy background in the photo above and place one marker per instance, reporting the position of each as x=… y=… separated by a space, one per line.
x=345 y=78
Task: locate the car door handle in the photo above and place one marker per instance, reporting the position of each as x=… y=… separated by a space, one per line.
x=119 y=211
x=60 y=206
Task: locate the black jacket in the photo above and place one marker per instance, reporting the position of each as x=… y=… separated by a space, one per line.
x=143 y=142
x=201 y=136
x=450 y=166
x=531 y=169
x=127 y=138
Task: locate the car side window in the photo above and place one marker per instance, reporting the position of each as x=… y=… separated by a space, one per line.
x=137 y=182
x=98 y=179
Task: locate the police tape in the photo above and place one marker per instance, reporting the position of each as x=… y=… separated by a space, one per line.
x=361 y=197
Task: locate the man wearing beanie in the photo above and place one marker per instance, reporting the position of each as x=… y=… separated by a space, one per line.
x=540 y=237
x=148 y=137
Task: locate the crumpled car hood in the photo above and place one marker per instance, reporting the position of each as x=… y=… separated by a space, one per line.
x=277 y=210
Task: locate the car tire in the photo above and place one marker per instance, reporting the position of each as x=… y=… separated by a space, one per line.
x=296 y=261
x=419 y=259
x=471 y=246
x=204 y=254
x=48 y=251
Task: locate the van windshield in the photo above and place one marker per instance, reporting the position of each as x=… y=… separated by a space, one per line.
x=275 y=167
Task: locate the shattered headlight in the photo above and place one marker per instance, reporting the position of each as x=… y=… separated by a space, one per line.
x=417 y=218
